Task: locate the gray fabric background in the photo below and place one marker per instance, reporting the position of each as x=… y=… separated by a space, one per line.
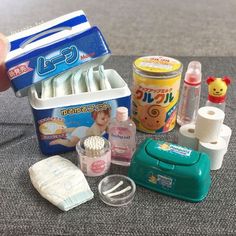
x=159 y=27
x=25 y=212
x=137 y=27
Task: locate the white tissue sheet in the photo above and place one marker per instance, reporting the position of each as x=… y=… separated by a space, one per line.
x=60 y=182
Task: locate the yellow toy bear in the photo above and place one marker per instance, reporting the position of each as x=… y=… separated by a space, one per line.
x=217 y=88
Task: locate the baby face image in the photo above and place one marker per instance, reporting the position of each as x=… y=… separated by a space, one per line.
x=102 y=118
x=152 y=117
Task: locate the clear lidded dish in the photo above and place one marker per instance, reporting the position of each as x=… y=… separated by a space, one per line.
x=110 y=182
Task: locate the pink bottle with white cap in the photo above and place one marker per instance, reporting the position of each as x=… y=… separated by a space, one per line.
x=122 y=132
x=190 y=94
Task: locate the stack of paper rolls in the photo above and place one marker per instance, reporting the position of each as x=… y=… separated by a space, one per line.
x=208 y=135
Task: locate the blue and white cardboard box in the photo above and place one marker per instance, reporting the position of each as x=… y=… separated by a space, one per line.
x=64 y=45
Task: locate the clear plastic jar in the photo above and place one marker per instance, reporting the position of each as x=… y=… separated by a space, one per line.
x=94 y=165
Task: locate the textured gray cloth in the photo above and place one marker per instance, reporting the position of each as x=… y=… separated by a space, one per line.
x=25 y=212
x=137 y=27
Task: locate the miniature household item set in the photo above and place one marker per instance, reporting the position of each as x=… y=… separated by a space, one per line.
x=77 y=107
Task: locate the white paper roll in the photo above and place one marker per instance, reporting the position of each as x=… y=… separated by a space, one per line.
x=215 y=150
x=187 y=136
x=208 y=124
x=225 y=133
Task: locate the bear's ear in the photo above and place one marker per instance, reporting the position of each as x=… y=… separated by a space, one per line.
x=226 y=79
x=210 y=79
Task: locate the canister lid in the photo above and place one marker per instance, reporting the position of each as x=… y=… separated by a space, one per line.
x=172 y=153
x=157 y=66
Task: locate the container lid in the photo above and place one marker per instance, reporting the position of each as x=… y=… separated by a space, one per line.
x=54 y=47
x=158 y=66
x=172 y=153
x=46 y=33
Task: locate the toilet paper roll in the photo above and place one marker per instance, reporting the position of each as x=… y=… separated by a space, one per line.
x=208 y=124
x=215 y=150
x=187 y=136
x=225 y=133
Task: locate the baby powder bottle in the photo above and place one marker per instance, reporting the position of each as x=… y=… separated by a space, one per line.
x=190 y=96
x=122 y=132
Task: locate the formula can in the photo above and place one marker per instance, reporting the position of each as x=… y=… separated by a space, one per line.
x=155 y=93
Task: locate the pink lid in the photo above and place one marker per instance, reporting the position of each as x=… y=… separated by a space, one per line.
x=122 y=114
x=193 y=75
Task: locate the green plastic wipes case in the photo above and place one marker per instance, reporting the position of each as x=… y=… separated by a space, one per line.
x=172 y=170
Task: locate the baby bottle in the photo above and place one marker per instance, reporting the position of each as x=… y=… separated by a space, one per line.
x=122 y=131
x=190 y=96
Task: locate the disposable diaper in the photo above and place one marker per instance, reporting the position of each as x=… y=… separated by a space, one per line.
x=47 y=89
x=60 y=182
x=91 y=82
x=104 y=82
x=78 y=83
x=62 y=85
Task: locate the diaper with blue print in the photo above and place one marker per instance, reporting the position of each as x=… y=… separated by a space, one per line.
x=60 y=182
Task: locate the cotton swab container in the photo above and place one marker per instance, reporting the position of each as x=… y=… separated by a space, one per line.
x=94 y=154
